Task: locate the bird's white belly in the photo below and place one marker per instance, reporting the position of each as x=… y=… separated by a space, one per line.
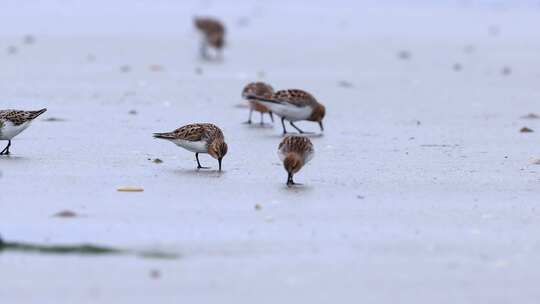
x=290 y=112
x=192 y=146
x=9 y=130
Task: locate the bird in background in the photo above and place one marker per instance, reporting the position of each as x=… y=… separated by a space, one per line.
x=13 y=122
x=293 y=105
x=258 y=89
x=213 y=36
x=295 y=152
x=199 y=138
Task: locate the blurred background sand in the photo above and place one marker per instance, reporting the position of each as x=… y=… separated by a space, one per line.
x=423 y=189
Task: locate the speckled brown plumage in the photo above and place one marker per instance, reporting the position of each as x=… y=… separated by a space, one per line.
x=296 y=97
x=258 y=89
x=296 y=144
x=295 y=152
x=213 y=31
x=194 y=132
x=13 y=122
x=294 y=105
x=199 y=138
x=18 y=117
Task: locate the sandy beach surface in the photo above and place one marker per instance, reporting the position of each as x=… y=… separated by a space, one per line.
x=422 y=189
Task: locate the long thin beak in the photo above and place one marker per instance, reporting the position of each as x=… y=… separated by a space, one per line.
x=321 y=125
x=219 y=161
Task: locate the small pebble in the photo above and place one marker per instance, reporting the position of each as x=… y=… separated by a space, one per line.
x=157 y=161
x=155 y=274
x=345 y=84
x=132 y=112
x=12 y=49
x=29 y=39
x=125 y=68
x=156 y=68
x=258 y=207
x=530 y=116
x=526 y=130
x=404 y=55
x=65 y=214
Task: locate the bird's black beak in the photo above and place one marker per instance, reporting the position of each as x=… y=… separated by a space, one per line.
x=321 y=125
x=219 y=161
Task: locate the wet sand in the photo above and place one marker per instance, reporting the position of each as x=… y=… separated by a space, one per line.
x=422 y=189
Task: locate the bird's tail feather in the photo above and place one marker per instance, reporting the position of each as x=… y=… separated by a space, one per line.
x=35 y=114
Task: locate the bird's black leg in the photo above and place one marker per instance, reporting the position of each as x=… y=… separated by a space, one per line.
x=198 y=163
x=249 y=120
x=271 y=116
x=283 y=124
x=6 y=149
x=297 y=128
x=290 y=181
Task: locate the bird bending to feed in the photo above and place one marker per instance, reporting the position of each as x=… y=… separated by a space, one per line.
x=213 y=35
x=258 y=89
x=13 y=122
x=295 y=152
x=293 y=105
x=198 y=138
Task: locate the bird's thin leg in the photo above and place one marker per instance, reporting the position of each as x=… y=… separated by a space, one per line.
x=3 y=151
x=301 y=132
x=262 y=118
x=283 y=124
x=199 y=163
x=249 y=120
x=290 y=181
x=6 y=149
x=271 y=116
x=204 y=50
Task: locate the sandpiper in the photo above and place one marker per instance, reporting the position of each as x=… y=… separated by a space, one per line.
x=295 y=152
x=294 y=105
x=198 y=138
x=258 y=89
x=13 y=122
x=213 y=35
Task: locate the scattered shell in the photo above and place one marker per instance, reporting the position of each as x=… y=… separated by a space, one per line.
x=526 y=130
x=130 y=189
x=65 y=214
